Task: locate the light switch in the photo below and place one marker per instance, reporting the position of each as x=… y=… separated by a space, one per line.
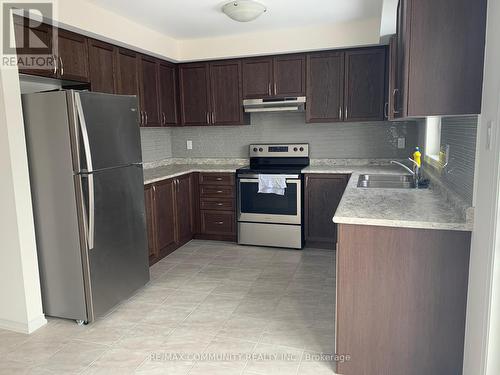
x=401 y=142
x=189 y=145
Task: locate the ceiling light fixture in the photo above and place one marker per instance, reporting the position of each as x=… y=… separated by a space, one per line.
x=243 y=10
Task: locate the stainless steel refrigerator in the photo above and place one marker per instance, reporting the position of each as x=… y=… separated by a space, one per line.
x=87 y=189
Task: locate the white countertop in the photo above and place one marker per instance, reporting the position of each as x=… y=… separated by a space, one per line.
x=169 y=171
x=405 y=208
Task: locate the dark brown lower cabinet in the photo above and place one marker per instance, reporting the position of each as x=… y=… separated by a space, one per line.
x=184 y=208
x=401 y=300
x=215 y=196
x=150 y=220
x=217 y=222
x=323 y=193
x=169 y=215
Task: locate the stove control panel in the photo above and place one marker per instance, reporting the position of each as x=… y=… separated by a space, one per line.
x=280 y=150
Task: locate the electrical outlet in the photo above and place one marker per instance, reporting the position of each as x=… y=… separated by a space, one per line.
x=189 y=145
x=401 y=142
x=488 y=135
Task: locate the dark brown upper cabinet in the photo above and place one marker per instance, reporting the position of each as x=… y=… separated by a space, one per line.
x=325 y=87
x=149 y=91
x=126 y=77
x=127 y=82
x=274 y=76
x=34 y=41
x=211 y=93
x=389 y=110
x=195 y=95
x=226 y=94
x=72 y=56
x=364 y=87
x=102 y=66
x=66 y=55
x=257 y=78
x=346 y=85
x=289 y=75
x=168 y=94
x=443 y=74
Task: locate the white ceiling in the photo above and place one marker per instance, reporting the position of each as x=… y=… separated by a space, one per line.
x=189 y=19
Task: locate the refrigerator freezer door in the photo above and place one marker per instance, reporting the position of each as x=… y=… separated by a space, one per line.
x=119 y=258
x=55 y=205
x=108 y=130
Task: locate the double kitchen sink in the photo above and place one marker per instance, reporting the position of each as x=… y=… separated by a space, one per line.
x=386 y=181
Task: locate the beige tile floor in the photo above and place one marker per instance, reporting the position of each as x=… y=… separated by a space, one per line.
x=210 y=308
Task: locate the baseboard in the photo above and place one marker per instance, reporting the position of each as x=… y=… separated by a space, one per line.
x=216 y=237
x=27 y=328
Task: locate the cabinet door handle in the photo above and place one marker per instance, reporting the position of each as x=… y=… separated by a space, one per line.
x=269 y=89
x=386 y=110
x=54 y=61
x=163 y=119
x=140 y=118
x=146 y=116
x=208 y=117
x=219 y=204
x=213 y=118
x=345 y=114
x=275 y=89
x=62 y=65
x=340 y=113
x=219 y=222
x=219 y=192
x=219 y=178
x=395 y=93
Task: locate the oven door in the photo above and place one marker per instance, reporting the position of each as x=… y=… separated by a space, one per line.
x=269 y=208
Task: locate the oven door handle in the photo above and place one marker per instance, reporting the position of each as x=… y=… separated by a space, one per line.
x=288 y=181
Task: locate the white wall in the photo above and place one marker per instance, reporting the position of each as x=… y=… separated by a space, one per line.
x=483 y=312
x=493 y=364
x=89 y=19
x=347 y=34
x=21 y=305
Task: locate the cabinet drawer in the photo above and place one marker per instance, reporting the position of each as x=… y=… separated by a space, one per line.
x=217 y=222
x=217 y=204
x=217 y=179
x=216 y=191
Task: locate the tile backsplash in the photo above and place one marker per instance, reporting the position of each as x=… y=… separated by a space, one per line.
x=156 y=144
x=460 y=134
x=333 y=140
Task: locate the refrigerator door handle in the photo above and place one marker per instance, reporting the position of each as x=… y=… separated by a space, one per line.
x=90 y=177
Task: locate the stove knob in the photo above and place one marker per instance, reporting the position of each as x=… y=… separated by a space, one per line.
x=301 y=149
x=255 y=149
x=295 y=149
x=261 y=149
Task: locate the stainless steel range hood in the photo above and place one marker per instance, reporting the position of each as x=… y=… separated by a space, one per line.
x=288 y=104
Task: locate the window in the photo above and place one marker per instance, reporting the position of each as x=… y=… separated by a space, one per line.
x=433 y=137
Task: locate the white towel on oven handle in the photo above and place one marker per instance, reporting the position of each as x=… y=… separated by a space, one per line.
x=272 y=184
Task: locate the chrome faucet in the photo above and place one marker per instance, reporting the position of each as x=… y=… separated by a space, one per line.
x=415 y=172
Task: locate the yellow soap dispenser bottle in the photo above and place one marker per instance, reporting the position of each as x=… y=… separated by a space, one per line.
x=417 y=156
